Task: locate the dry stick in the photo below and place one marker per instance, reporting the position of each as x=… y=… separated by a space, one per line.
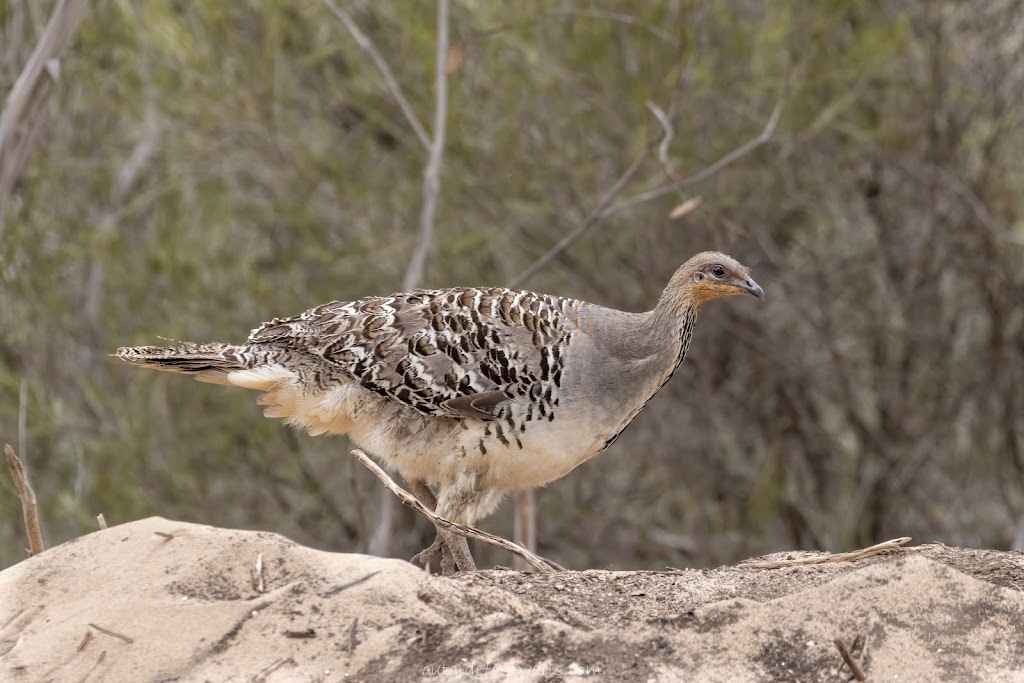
x=101 y=520
x=850 y=662
x=605 y=208
x=432 y=172
x=590 y=221
x=112 y=633
x=851 y=556
x=382 y=66
x=29 y=507
x=85 y=640
x=352 y=635
x=431 y=185
x=349 y=584
x=706 y=172
x=20 y=119
x=539 y=563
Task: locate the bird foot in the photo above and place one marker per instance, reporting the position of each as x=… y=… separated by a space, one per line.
x=454 y=553
x=426 y=556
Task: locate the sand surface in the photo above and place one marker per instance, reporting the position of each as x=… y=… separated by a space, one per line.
x=159 y=600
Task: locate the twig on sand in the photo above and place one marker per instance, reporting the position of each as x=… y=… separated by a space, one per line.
x=851 y=556
x=354 y=582
x=164 y=534
x=85 y=640
x=107 y=631
x=29 y=507
x=352 y=635
x=850 y=661
x=537 y=562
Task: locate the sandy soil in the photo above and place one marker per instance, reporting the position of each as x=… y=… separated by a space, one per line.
x=158 y=600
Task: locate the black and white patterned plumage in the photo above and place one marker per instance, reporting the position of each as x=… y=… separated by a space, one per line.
x=459 y=353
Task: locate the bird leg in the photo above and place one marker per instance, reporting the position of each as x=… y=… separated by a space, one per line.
x=462 y=502
x=449 y=563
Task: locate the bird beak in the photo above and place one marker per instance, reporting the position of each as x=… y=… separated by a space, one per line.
x=751 y=287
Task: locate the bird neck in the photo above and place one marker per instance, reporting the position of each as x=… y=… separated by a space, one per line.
x=674 y=318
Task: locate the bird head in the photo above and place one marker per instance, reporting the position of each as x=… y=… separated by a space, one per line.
x=710 y=275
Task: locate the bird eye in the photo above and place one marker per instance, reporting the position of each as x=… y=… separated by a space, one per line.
x=718 y=271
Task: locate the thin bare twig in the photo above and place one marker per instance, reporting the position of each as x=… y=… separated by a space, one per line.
x=20 y=121
x=352 y=635
x=349 y=584
x=414 y=271
x=539 y=563
x=706 y=172
x=432 y=172
x=382 y=66
x=85 y=641
x=113 y=634
x=852 y=556
x=29 y=506
x=850 y=661
x=590 y=221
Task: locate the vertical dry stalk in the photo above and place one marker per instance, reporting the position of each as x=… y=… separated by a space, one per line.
x=524 y=525
x=28 y=501
x=431 y=186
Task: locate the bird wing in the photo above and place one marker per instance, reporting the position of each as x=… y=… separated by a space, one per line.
x=461 y=353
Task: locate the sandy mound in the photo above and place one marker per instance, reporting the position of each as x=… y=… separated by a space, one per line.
x=164 y=600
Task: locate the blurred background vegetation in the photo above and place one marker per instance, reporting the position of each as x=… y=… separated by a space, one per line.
x=204 y=166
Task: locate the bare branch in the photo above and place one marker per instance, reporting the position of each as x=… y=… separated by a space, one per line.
x=705 y=173
x=858 y=674
x=20 y=120
x=667 y=131
x=539 y=563
x=852 y=556
x=382 y=66
x=605 y=207
x=29 y=507
x=432 y=173
x=378 y=544
x=590 y=221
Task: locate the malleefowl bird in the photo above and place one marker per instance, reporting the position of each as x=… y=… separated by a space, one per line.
x=473 y=392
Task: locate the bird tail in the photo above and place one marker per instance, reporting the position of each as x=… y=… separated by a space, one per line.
x=205 y=362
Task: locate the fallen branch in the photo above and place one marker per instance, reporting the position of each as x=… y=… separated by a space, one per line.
x=349 y=584
x=363 y=41
x=381 y=538
x=850 y=661
x=29 y=507
x=706 y=172
x=590 y=221
x=537 y=562
x=852 y=556
x=113 y=634
x=352 y=635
